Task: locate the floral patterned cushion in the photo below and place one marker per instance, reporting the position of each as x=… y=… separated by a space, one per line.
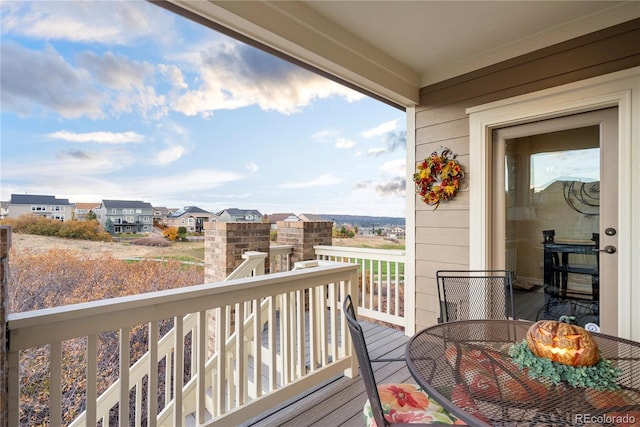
x=407 y=403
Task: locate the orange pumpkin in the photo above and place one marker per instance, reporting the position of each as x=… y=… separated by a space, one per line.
x=563 y=343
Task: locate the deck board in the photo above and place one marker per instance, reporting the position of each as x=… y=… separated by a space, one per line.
x=340 y=400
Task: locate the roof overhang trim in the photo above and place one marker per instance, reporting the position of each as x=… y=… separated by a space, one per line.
x=296 y=32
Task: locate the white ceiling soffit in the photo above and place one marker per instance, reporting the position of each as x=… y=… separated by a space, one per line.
x=392 y=48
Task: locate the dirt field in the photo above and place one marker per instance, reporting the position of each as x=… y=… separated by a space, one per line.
x=184 y=250
x=120 y=250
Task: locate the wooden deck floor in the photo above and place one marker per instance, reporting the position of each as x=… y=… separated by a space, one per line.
x=339 y=402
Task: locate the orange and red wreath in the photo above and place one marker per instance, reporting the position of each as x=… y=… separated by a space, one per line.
x=438 y=178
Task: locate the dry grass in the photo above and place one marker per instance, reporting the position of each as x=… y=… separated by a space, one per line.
x=150 y=248
x=119 y=250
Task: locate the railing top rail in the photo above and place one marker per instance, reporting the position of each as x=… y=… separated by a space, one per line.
x=37 y=327
x=254 y=254
x=280 y=248
x=361 y=252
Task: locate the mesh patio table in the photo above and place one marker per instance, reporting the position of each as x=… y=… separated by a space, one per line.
x=466 y=367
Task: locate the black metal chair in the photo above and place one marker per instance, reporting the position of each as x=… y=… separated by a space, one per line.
x=559 y=304
x=374 y=413
x=475 y=294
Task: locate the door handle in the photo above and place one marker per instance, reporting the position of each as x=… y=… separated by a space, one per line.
x=608 y=249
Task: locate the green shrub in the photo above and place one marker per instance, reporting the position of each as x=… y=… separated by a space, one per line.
x=182 y=232
x=85 y=230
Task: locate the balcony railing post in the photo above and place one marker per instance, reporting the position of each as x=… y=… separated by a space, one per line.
x=222 y=387
x=5 y=243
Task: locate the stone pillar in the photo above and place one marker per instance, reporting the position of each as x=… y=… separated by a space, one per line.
x=304 y=235
x=225 y=242
x=5 y=244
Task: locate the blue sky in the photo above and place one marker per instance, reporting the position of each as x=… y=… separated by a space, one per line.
x=124 y=100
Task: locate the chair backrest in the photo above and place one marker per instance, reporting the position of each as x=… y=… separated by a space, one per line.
x=475 y=294
x=360 y=346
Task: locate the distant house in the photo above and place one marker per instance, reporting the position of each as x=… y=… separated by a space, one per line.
x=46 y=206
x=313 y=218
x=191 y=217
x=82 y=210
x=127 y=216
x=239 y=215
x=4 y=209
x=275 y=217
x=396 y=232
x=161 y=213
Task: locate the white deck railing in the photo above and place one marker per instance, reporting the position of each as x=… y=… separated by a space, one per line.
x=380 y=280
x=381 y=272
x=304 y=343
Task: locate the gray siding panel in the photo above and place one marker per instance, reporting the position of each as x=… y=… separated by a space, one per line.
x=605 y=51
x=443 y=131
x=441 y=121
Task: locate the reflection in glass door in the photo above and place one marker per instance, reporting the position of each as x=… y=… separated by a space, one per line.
x=550 y=209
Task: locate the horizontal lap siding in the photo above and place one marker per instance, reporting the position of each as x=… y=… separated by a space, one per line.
x=442 y=235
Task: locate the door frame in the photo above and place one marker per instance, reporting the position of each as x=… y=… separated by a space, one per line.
x=605 y=122
x=620 y=89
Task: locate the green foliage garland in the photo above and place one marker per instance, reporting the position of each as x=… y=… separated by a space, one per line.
x=601 y=376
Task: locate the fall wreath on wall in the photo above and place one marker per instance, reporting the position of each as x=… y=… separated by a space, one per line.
x=438 y=177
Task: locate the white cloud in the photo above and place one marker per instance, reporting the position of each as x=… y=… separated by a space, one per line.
x=326 y=135
x=321 y=181
x=79 y=189
x=396 y=140
x=70 y=163
x=94 y=22
x=168 y=155
x=174 y=75
x=34 y=80
x=344 y=143
x=376 y=151
x=233 y=75
x=364 y=200
x=98 y=137
x=394 y=167
x=251 y=167
x=195 y=180
x=380 y=129
x=361 y=184
x=105 y=74
x=213 y=76
x=391 y=184
x=392 y=187
x=84 y=186
x=115 y=71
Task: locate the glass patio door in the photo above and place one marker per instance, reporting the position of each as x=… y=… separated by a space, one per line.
x=554 y=216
